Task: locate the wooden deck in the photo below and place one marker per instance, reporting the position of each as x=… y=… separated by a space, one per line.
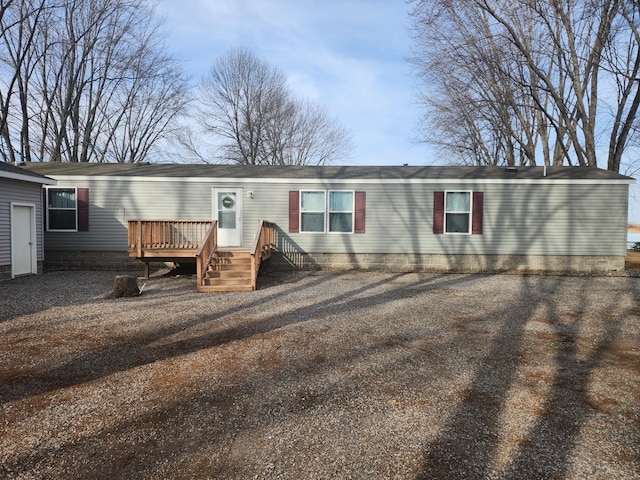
x=218 y=268
x=165 y=240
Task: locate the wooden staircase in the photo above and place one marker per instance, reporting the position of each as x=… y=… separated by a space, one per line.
x=230 y=270
x=219 y=269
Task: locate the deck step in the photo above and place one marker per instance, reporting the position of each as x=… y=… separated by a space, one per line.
x=227 y=280
x=229 y=267
x=232 y=254
x=225 y=288
x=246 y=273
x=226 y=263
x=230 y=271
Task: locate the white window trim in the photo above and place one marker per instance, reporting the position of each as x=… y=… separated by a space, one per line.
x=352 y=211
x=326 y=212
x=75 y=190
x=470 y=212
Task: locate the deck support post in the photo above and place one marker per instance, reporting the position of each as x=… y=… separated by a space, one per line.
x=139 y=238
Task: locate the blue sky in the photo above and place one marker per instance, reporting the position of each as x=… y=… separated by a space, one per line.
x=347 y=55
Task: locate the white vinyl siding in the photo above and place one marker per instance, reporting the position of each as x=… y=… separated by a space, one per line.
x=518 y=218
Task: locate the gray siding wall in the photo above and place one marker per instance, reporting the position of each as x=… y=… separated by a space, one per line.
x=20 y=192
x=519 y=219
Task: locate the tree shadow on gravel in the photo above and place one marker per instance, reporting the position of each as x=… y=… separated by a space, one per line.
x=206 y=429
x=32 y=294
x=131 y=353
x=122 y=444
x=209 y=429
x=467 y=446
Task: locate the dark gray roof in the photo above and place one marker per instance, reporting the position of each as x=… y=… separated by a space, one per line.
x=9 y=170
x=326 y=172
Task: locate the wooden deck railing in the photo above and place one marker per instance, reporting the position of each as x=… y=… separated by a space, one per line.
x=206 y=251
x=263 y=246
x=165 y=235
x=191 y=240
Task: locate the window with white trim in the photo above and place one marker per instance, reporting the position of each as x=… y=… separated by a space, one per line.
x=312 y=208
x=341 y=211
x=457 y=212
x=326 y=211
x=62 y=209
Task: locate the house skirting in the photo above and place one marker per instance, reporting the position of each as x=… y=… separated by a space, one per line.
x=5 y=271
x=58 y=260
x=453 y=263
x=63 y=260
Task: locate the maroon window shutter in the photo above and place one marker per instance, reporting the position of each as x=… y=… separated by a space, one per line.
x=83 y=209
x=438 y=212
x=360 y=210
x=294 y=211
x=476 y=214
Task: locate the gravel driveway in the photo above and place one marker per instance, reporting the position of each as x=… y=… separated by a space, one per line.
x=321 y=375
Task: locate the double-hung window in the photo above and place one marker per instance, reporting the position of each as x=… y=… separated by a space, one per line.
x=62 y=209
x=457 y=212
x=341 y=211
x=312 y=209
x=326 y=211
x=67 y=209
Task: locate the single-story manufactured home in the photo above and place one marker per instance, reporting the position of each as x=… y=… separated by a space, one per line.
x=21 y=227
x=410 y=218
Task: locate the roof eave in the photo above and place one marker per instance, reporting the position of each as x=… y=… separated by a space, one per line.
x=28 y=178
x=302 y=180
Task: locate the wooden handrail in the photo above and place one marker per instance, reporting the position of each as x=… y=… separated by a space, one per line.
x=157 y=234
x=151 y=240
x=263 y=244
x=206 y=251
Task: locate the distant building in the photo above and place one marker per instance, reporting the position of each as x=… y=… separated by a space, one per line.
x=21 y=221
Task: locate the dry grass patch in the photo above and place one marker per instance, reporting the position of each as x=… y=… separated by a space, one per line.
x=632 y=260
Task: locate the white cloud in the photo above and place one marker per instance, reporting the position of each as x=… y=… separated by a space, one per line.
x=346 y=55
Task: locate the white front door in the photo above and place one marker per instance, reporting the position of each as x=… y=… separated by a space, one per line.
x=227 y=207
x=23 y=240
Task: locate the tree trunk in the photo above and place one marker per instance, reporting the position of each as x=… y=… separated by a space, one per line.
x=124 y=286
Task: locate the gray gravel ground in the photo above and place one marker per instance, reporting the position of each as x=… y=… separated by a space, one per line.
x=361 y=375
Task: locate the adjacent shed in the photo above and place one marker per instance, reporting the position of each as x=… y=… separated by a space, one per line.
x=396 y=218
x=21 y=227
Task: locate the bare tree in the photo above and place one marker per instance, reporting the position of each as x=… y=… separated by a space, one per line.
x=516 y=81
x=94 y=82
x=144 y=108
x=241 y=94
x=246 y=104
x=19 y=26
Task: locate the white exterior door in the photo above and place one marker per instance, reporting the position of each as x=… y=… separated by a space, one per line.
x=23 y=240
x=227 y=205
